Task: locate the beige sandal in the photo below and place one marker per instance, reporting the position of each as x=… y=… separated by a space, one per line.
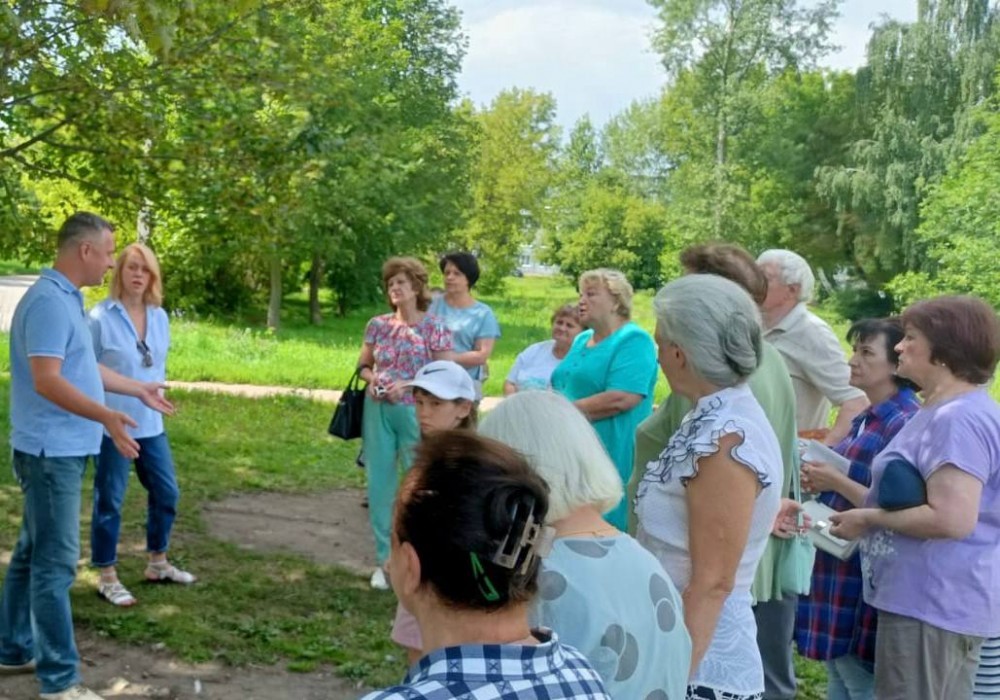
x=116 y=594
x=168 y=573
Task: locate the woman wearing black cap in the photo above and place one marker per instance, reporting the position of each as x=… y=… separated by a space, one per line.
x=473 y=325
x=467 y=538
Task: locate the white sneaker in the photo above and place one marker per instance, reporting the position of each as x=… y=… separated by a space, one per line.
x=379 y=581
x=76 y=692
x=11 y=669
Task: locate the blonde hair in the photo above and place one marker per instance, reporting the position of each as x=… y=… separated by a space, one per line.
x=153 y=296
x=561 y=446
x=415 y=271
x=617 y=285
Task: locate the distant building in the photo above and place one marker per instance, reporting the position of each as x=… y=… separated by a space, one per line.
x=529 y=262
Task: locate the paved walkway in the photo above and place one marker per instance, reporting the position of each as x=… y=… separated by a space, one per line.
x=256 y=391
x=12 y=288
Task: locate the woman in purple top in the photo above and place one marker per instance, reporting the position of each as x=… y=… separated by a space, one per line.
x=933 y=570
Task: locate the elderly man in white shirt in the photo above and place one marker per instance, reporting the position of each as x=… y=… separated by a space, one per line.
x=820 y=378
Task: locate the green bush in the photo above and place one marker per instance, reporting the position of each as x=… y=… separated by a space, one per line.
x=855 y=301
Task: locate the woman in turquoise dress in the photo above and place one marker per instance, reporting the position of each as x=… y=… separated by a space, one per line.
x=610 y=371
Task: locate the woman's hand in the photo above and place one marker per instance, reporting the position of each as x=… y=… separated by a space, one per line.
x=820 y=476
x=786 y=524
x=394 y=391
x=852 y=524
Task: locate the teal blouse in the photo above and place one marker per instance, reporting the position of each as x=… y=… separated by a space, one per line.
x=624 y=361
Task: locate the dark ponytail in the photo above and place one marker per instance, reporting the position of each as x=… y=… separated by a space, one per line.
x=473 y=509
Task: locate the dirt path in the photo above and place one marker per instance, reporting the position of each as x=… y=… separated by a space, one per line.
x=128 y=671
x=12 y=288
x=330 y=527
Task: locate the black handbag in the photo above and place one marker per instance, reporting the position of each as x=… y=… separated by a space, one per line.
x=346 y=421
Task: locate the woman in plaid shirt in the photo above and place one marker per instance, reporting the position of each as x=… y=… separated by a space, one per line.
x=467 y=537
x=833 y=622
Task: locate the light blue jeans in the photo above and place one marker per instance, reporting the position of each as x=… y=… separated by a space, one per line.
x=849 y=678
x=35 y=617
x=155 y=468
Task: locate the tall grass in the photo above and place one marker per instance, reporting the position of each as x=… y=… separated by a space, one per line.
x=243 y=351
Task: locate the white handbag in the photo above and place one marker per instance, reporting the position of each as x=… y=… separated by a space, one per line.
x=820 y=535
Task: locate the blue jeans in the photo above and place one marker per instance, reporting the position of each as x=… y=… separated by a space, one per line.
x=35 y=616
x=155 y=468
x=849 y=678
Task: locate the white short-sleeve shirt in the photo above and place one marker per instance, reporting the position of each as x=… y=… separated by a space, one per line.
x=732 y=663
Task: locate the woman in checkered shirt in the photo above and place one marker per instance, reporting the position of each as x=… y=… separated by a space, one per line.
x=467 y=536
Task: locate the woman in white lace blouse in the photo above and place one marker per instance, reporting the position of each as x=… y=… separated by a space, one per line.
x=707 y=504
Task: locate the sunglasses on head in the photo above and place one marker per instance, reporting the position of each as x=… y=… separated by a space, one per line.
x=147 y=355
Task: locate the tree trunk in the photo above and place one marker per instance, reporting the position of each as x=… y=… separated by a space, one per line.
x=720 y=175
x=274 y=300
x=315 y=277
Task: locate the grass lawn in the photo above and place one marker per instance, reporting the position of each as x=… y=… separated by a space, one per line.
x=12 y=267
x=260 y=609
x=249 y=607
x=299 y=354
x=324 y=356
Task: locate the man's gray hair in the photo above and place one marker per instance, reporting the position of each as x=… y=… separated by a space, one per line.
x=561 y=446
x=793 y=269
x=715 y=322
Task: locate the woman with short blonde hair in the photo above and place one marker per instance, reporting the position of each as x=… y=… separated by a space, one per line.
x=610 y=370
x=590 y=558
x=534 y=365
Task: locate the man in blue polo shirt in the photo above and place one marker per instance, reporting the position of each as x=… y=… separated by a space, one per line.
x=57 y=416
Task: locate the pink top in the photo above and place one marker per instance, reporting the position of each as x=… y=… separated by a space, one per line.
x=402 y=349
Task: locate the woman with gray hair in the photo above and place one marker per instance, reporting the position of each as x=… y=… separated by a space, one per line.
x=706 y=505
x=637 y=643
x=610 y=371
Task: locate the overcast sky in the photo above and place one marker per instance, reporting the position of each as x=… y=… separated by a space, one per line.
x=595 y=56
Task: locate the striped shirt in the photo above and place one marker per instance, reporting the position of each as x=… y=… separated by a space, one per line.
x=988 y=675
x=547 y=671
x=833 y=620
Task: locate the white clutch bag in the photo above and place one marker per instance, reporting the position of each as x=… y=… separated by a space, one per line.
x=820 y=535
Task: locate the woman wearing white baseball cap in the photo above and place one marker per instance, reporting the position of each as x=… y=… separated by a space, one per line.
x=444 y=395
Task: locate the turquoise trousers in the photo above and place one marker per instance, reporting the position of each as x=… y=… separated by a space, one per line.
x=390 y=432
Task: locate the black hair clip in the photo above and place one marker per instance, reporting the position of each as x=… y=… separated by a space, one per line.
x=534 y=540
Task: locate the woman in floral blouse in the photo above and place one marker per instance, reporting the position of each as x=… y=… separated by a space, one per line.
x=396 y=345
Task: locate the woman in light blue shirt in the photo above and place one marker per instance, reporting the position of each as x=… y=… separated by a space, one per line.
x=131 y=336
x=473 y=325
x=599 y=590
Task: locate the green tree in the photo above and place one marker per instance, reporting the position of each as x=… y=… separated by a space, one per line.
x=729 y=48
x=960 y=224
x=915 y=97
x=614 y=229
x=516 y=141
